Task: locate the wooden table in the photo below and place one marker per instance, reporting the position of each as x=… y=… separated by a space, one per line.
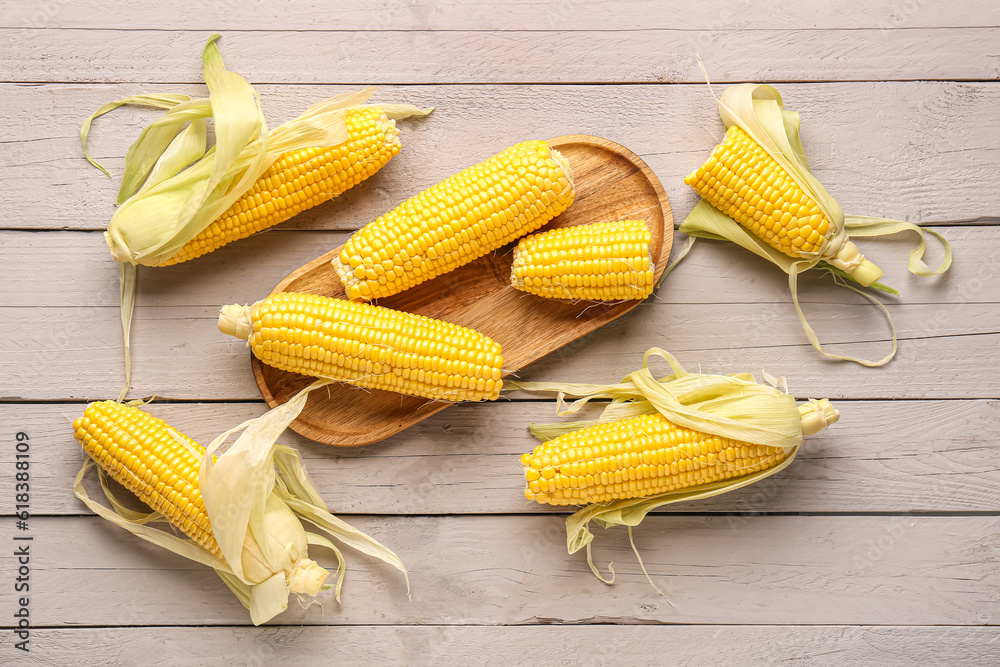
x=879 y=545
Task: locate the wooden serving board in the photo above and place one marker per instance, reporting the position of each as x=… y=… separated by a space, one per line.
x=612 y=183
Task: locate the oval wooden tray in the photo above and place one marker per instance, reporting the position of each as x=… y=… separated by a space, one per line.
x=612 y=183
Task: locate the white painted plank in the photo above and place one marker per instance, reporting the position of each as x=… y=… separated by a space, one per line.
x=714 y=272
x=946 y=351
x=937 y=457
x=815 y=646
x=505 y=15
x=532 y=56
x=926 y=151
x=928 y=573
x=486 y=570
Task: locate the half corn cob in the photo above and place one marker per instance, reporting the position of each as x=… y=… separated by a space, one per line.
x=456 y=221
x=301 y=179
x=369 y=346
x=743 y=181
x=141 y=453
x=606 y=261
x=646 y=455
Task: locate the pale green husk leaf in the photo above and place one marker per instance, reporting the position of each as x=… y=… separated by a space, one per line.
x=860 y=225
x=758 y=110
x=320 y=541
x=156 y=219
x=127 y=277
x=148 y=150
x=254 y=474
x=631 y=512
x=189 y=145
x=297 y=490
x=173 y=186
x=676 y=256
x=346 y=533
x=135 y=523
x=256 y=493
x=732 y=406
x=150 y=227
x=403 y=111
x=165 y=101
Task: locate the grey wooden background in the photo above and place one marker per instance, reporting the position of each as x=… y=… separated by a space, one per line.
x=879 y=545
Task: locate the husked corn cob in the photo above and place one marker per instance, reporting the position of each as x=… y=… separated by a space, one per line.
x=744 y=182
x=633 y=458
x=369 y=346
x=606 y=261
x=301 y=179
x=138 y=451
x=456 y=221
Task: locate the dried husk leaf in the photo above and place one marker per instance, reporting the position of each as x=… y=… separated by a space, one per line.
x=403 y=111
x=261 y=487
x=127 y=277
x=256 y=493
x=135 y=523
x=188 y=146
x=758 y=110
x=164 y=101
x=731 y=406
x=173 y=188
x=148 y=150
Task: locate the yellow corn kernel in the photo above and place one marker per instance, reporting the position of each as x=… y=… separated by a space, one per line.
x=744 y=182
x=369 y=346
x=301 y=179
x=456 y=221
x=137 y=450
x=634 y=458
x=607 y=261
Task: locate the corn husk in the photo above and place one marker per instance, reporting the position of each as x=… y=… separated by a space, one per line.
x=174 y=186
x=257 y=495
x=758 y=110
x=732 y=406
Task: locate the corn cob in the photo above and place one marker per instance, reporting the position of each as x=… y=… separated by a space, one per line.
x=646 y=455
x=138 y=451
x=369 y=346
x=607 y=261
x=301 y=179
x=741 y=180
x=456 y=221
x=255 y=542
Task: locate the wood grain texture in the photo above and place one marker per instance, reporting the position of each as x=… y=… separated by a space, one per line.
x=611 y=183
x=938 y=457
x=532 y=56
x=946 y=350
x=853 y=580
x=597 y=645
x=713 y=273
x=922 y=154
x=511 y=570
x=505 y=15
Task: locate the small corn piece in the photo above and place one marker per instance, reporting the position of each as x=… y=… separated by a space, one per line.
x=456 y=221
x=369 y=346
x=138 y=451
x=744 y=182
x=606 y=261
x=301 y=179
x=634 y=458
